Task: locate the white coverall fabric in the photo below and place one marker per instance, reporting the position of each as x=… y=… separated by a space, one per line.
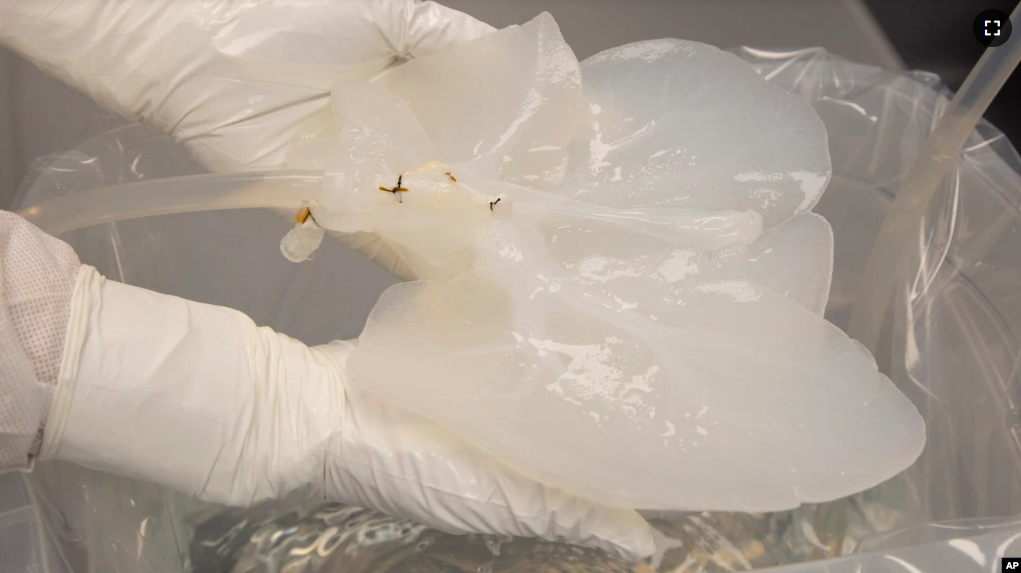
x=37 y=276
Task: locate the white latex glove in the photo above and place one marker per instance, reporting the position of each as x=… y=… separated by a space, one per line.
x=197 y=398
x=230 y=79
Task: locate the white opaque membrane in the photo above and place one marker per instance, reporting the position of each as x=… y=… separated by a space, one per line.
x=507 y=102
x=641 y=330
x=379 y=145
x=794 y=259
x=671 y=122
x=735 y=398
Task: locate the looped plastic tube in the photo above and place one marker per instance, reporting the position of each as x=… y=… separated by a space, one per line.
x=267 y=190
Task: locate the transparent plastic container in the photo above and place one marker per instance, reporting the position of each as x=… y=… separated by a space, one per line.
x=951 y=341
x=24 y=545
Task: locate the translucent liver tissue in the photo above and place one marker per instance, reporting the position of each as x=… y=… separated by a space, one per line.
x=625 y=284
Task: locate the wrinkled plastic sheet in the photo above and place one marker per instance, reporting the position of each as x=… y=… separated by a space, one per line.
x=951 y=344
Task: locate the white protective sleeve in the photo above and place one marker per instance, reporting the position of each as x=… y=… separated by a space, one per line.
x=188 y=395
x=231 y=80
x=198 y=398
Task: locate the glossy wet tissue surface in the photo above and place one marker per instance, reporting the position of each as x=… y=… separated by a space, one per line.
x=621 y=279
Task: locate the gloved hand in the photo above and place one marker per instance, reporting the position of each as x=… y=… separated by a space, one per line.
x=231 y=80
x=197 y=398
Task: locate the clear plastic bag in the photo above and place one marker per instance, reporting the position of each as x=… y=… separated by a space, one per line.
x=950 y=345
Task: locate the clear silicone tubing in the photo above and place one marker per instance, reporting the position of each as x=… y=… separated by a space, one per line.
x=940 y=150
x=267 y=190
